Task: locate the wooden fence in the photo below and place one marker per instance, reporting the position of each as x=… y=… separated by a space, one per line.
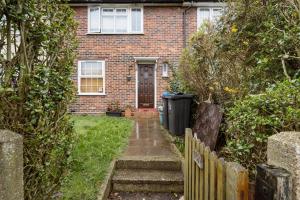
x=207 y=177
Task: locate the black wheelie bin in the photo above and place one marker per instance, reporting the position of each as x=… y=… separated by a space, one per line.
x=165 y=112
x=179 y=113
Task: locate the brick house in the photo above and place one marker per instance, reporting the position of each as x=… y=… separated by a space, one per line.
x=127 y=47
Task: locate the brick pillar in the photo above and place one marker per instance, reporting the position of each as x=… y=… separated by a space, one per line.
x=11 y=166
x=284 y=151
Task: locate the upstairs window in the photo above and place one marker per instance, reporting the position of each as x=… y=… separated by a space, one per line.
x=208 y=14
x=115 y=20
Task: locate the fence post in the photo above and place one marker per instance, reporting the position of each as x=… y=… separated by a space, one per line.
x=236 y=182
x=284 y=151
x=272 y=183
x=11 y=166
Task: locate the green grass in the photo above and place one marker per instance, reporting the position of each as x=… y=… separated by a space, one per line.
x=179 y=142
x=99 y=140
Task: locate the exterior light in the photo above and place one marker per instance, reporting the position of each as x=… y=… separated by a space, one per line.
x=165 y=70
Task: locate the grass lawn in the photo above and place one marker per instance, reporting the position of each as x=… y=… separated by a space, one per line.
x=99 y=140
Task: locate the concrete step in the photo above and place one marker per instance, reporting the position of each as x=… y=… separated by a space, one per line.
x=146 y=113
x=140 y=180
x=151 y=163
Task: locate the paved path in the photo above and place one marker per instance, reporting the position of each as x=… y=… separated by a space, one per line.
x=148 y=164
x=143 y=196
x=148 y=140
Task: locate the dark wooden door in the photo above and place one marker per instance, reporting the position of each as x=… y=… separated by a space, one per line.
x=146 y=86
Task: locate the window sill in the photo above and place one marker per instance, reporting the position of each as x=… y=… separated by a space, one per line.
x=115 y=33
x=91 y=94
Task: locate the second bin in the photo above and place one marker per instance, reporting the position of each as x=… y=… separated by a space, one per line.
x=179 y=113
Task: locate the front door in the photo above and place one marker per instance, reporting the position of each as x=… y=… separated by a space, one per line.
x=146 y=85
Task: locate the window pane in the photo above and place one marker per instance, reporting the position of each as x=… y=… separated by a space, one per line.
x=121 y=24
x=91 y=85
x=216 y=14
x=97 y=69
x=94 y=20
x=107 y=24
x=107 y=11
x=83 y=68
x=91 y=68
x=136 y=20
x=121 y=11
x=203 y=15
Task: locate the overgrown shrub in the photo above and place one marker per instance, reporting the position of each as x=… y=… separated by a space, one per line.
x=252 y=120
x=264 y=36
x=204 y=71
x=37 y=43
x=253 y=47
x=255 y=44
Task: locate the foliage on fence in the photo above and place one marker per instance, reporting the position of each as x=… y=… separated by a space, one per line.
x=37 y=43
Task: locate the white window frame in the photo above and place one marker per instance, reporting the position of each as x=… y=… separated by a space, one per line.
x=210 y=8
x=90 y=76
x=129 y=19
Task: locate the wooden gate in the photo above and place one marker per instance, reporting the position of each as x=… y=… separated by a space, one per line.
x=207 y=177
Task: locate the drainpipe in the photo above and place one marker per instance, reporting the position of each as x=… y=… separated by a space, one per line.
x=184 y=23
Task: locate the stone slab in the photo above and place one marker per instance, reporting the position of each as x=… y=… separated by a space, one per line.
x=284 y=151
x=11 y=166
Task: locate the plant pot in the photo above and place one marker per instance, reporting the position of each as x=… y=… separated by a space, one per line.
x=128 y=113
x=113 y=114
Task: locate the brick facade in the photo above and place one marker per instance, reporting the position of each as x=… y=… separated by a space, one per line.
x=162 y=38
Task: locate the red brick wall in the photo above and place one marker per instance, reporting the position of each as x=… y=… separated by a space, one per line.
x=163 y=38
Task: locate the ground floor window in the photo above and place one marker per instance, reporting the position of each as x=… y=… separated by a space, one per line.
x=91 y=77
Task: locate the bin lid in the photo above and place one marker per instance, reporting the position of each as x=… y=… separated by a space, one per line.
x=166 y=94
x=181 y=96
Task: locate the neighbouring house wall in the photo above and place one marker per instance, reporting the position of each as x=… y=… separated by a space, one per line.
x=163 y=38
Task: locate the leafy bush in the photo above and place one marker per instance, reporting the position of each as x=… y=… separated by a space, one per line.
x=175 y=83
x=37 y=43
x=204 y=71
x=252 y=120
x=263 y=38
x=238 y=55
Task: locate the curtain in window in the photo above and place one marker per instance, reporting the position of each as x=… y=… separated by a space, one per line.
x=91 y=77
x=115 y=20
x=94 y=19
x=136 y=20
x=204 y=15
x=121 y=24
x=216 y=14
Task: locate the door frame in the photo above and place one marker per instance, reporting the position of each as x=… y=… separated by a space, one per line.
x=150 y=61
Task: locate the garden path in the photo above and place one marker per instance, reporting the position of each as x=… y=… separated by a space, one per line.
x=148 y=140
x=149 y=168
